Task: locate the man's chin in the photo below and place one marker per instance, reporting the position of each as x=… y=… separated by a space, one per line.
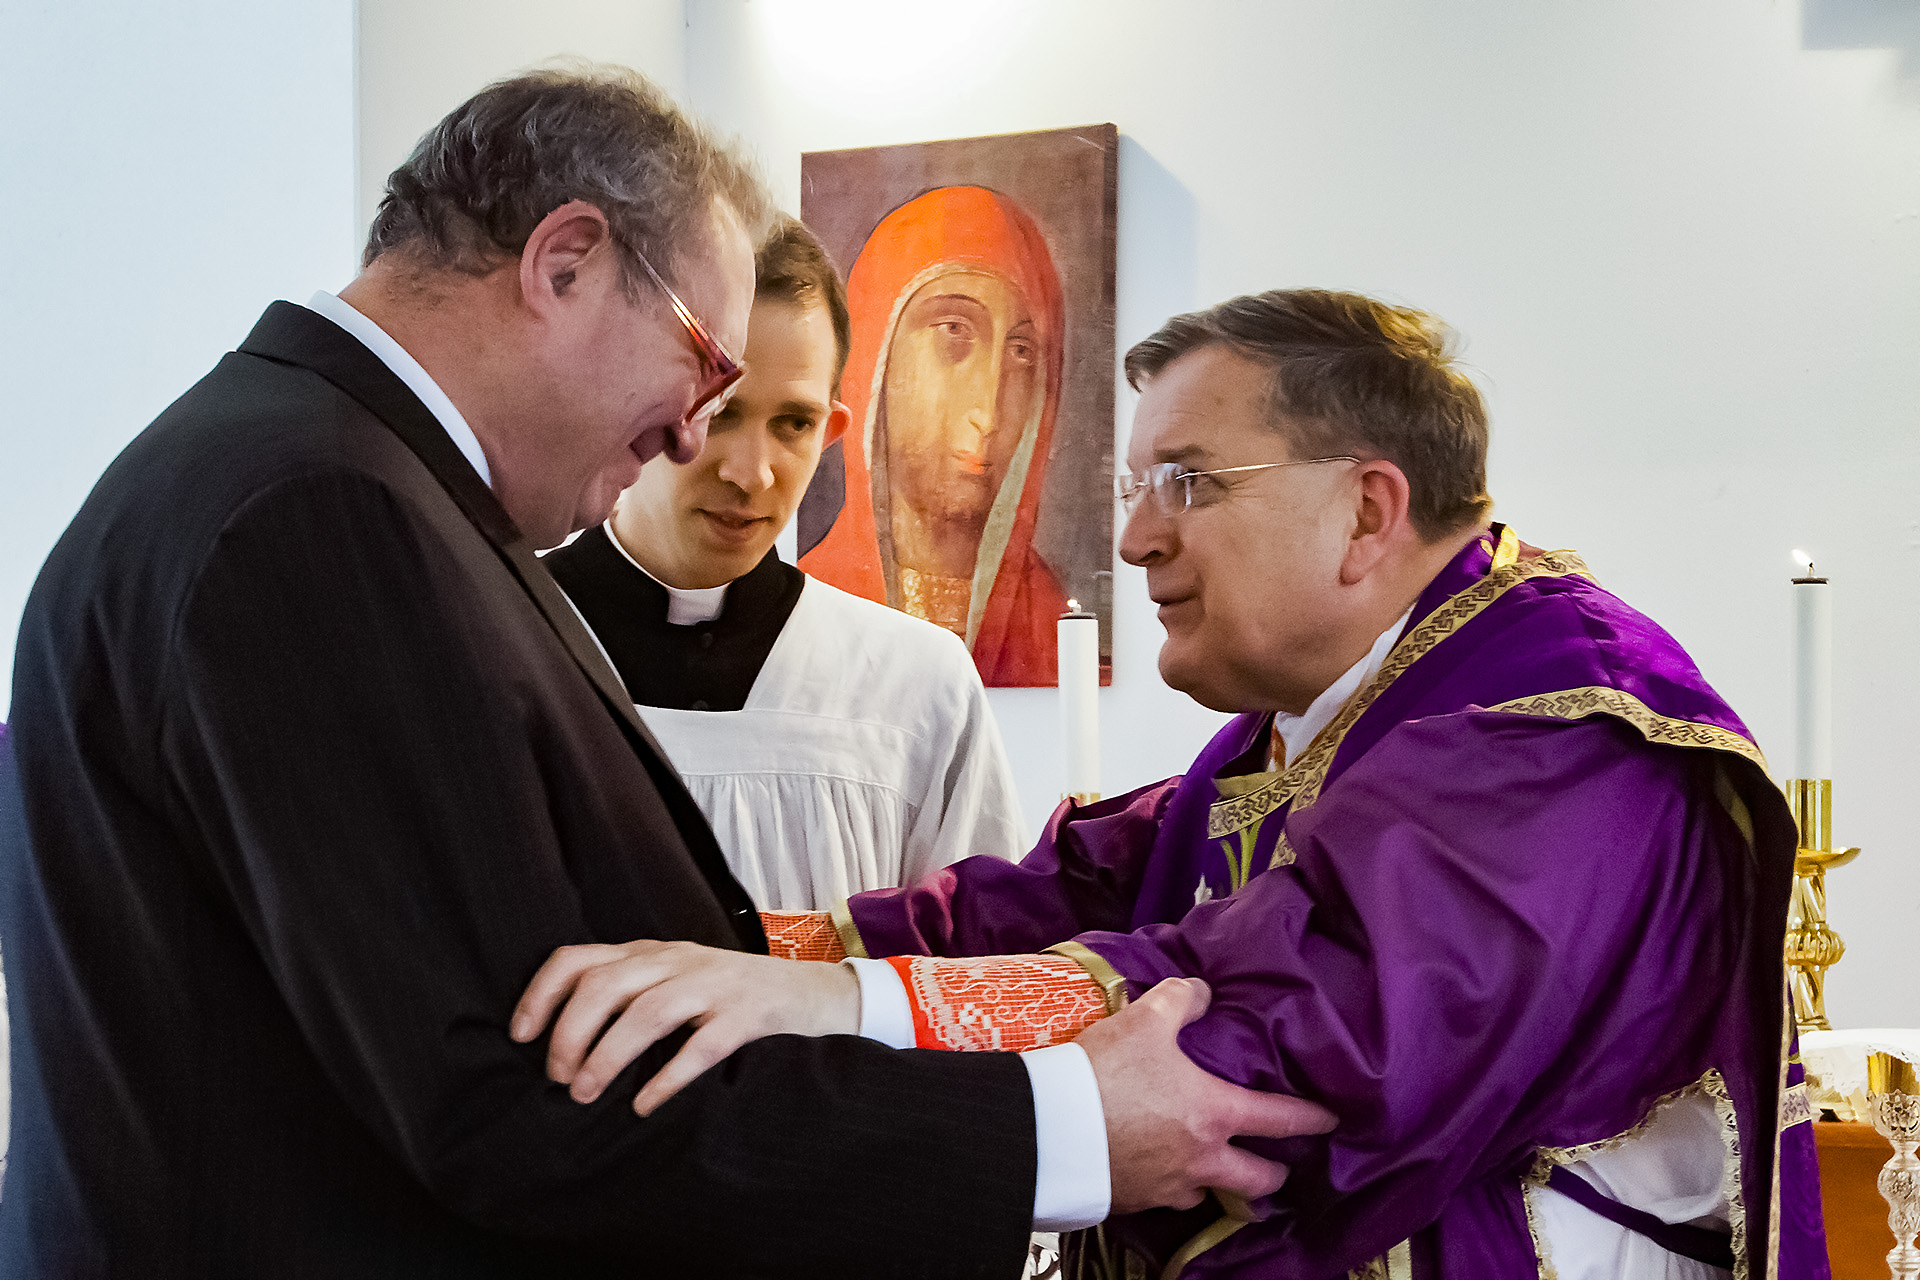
x=1188 y=676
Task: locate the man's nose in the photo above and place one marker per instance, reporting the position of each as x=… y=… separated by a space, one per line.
x=686 y=439
x=979 y=424
x=1147 y=535
x=746 y=460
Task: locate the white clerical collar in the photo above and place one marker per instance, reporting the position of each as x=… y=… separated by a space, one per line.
x=685 y=605
x=408 y=370
x=1296 y=731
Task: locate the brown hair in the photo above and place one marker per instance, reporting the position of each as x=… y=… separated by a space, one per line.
x=482 y=179
x=792 y=266
x=1353 y=375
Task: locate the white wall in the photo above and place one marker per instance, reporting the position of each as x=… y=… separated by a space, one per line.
x=167 y=171
x=1681 y=238
x=419 y=59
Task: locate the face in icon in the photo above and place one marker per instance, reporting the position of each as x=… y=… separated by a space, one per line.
x=962 y=379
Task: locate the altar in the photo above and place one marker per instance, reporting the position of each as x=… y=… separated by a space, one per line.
x=1842 y=1087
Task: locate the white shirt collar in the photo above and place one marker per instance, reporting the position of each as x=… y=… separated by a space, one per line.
x=408 y=370
x=686 y=606
x=1296 y=731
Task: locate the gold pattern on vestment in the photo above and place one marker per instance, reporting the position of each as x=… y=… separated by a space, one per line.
x=1238 y=848
x=1542 y=1253
x=1666 y=731
x=942 y=601
x=849 y=931
x=1240 y=859
x=1711 y=1086
x=1112 y=985
x=1212 y=1234
x=1301 y=781
x=1395 y=1264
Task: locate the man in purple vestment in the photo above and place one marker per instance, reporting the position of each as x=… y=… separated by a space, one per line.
x=1484 y=865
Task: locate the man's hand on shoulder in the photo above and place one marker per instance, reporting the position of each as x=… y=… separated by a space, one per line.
x=616 y=1002
x=1170 y=1124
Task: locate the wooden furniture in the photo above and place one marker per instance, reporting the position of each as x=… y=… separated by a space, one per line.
x=1851 y=1155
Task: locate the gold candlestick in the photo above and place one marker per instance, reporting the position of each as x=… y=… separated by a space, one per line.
x=1893 y=1100
x=1812 y=948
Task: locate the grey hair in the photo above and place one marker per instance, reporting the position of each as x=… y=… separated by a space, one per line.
x=482 y=179
x=1350 y=374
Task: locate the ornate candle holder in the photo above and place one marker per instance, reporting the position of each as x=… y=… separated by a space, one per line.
x=1812 y=948
x=1893 y=1100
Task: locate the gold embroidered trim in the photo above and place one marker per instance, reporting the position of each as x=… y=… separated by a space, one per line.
x=1283 y=854
x=1395 y=1264
x=1735 y=1193
x=1112 y=985
x=849 y=931
x=1787 y=1025
x=1209 y=1236
x=1545 y=1158
x=1300 y=783
x=1578 y=704
x=1542 y=1255
x=1240 y=860
x=1712 y=1086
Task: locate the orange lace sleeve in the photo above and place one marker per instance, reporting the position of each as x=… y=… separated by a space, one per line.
x=802 y=935
x=998 y=1002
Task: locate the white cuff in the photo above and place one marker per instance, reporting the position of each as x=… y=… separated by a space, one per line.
x=885 y=1014
x=1072 y=1187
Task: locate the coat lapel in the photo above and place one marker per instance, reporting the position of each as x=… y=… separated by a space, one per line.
x=290 y=334
x=294 y=335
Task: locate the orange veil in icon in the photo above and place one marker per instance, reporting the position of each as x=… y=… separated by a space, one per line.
x=954 y=377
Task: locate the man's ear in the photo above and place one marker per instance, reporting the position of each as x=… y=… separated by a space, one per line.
x=1382 y=519
x=838 y=419
x=572 y=239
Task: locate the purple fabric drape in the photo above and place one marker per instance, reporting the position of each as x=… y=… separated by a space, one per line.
x=1541 y=886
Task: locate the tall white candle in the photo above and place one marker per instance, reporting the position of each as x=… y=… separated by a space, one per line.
x=1812 y=672
x=1079 y=640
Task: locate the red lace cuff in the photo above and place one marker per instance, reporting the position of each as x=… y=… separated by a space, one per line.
x=1007 y=1003
x=802 y=935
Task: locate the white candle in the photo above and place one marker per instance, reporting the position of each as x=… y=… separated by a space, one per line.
x=1079 y=640
x=1812 y=672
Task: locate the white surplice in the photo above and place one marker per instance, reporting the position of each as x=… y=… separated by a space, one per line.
x=866 y=756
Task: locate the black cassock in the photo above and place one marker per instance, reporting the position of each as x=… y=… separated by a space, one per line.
x=317 y=768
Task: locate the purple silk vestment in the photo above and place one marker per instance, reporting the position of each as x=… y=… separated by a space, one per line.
x=1529 y=882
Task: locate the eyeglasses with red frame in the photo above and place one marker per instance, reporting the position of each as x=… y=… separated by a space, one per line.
x=720 y=372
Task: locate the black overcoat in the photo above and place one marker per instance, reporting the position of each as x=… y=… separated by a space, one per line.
x=317 y=767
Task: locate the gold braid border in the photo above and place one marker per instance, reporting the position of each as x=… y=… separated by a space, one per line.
x=849 y=931
x=1302 y=780
x=1112 y=986
x=1666 y=731
x=1713 y=1086
x=1395 y=1264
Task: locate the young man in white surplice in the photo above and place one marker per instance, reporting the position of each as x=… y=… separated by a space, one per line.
x=835 y=744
